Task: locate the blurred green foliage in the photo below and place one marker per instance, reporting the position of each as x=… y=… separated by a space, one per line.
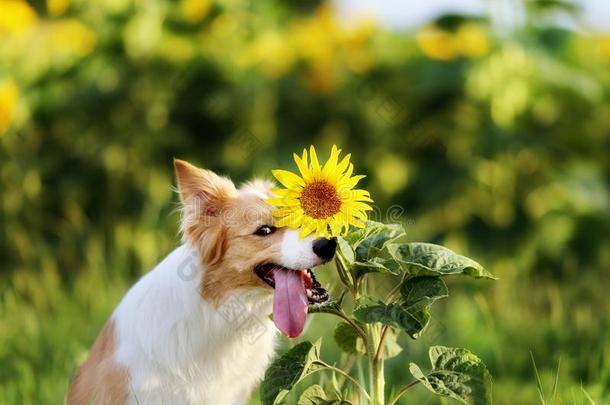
x=497 y=147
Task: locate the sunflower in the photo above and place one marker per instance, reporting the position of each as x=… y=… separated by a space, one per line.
x=322 y=199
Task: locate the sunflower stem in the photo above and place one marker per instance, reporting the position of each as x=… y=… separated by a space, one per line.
x=345 y=276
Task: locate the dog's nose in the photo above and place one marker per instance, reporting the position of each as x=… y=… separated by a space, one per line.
x=325 y=248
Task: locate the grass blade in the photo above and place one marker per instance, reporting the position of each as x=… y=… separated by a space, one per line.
x=584 y=391
x=556 y=383
x=538 y=382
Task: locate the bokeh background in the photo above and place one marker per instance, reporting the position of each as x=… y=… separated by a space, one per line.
x=486 y=133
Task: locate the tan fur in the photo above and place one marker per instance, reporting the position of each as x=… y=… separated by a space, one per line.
x=242 y=250
x=223 y=231
x=100 y=381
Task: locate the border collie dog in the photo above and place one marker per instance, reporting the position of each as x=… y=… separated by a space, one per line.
x=196 y=329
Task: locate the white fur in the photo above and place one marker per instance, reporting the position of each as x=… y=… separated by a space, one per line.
x=178 y=349
x=298 y=253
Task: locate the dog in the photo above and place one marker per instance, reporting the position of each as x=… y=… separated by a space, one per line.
x=196 y=329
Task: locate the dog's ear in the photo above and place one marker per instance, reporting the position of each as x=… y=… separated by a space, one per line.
x=203 y=190
x=203 y=195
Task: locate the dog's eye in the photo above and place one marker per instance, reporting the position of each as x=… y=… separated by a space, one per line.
x=265 y=230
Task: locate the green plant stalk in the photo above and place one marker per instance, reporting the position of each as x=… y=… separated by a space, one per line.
x=372 y=337
x=344 y=374
x=402 y=391
x=376 y=364
x=373 y=341
x=344 y=275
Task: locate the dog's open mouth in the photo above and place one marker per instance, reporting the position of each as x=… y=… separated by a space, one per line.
x=315 y=292
x=294 y=290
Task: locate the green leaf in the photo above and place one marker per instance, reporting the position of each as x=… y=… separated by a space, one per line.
x=346 y=250
x=410 y=319
x=427 y=259
x=315 y=395
x=411 y=313
x=329 y=307
x=348 y=339
x=355 y=237
x=286 y=371
x=391 y=348
x=377 y=264
x=423 y=290
x=370 y=240
x=365 y=249
x=458 y=374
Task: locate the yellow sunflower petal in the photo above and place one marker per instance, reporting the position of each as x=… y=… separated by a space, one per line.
x=358 y=195
x=331 y=163
x=347 y=219
x=354 y=180
x=321 y=227
x=360 y=214
x=350 y=170
x=283 y=201
x=340 y=168
x=294 y=221
x=285 y=192
x=351 y=220
x=302 y=165
x=315 y=165
x=358 y=224
x=307 y=227
x=283 y=212
x=288 y=179
x=336 y=226
x=352 y=206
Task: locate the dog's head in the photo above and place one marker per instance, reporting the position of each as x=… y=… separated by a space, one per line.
x=240 y=248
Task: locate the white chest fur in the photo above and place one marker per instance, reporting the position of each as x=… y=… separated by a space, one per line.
x=179 y=349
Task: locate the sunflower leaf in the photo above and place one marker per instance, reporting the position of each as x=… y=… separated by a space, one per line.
x=368 y=241
x=315 y=395
x=411 y=320
x=423 y=290
x=346 y=250
x=286 y=371
x=458 y=374
x=391 y=348
x=348 y=339
x=377 y=264
x=411 y=312
x=427 y=259
x=330 y=306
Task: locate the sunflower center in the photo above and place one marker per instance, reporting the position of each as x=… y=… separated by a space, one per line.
x=320 y=200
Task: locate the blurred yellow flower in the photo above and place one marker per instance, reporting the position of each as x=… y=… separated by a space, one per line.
x=274 y=54
x=468 y=40
x=8 y=102
x=57 y=7
x=602 y=45
x=176 y=48
x=195 y=11
x=327 y=46
x=314 y=36
x=16 y=16
x=436 y=43
x=322 y=199
x=72 y=36
x=320 y=42
x=472 y=41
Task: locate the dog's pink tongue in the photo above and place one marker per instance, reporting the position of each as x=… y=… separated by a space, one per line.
x=289 y=302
